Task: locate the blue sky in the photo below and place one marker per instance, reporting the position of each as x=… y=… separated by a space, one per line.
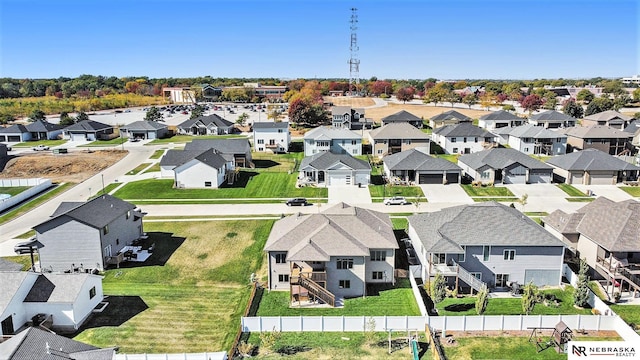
x=398 y=39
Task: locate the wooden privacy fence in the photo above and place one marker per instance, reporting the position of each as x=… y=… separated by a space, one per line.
x=236 y=341
x=434 y=343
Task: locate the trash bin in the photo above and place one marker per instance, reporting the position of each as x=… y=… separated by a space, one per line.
x=359 y=185
x=589 y=193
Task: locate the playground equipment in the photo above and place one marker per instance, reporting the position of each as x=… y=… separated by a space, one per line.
x=560 y=336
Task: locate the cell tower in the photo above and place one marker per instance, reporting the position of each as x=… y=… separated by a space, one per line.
x=354 y=62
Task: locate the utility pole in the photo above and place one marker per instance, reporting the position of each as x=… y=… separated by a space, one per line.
x=354 y=62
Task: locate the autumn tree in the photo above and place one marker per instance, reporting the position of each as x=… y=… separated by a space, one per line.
x=437 y=93
x=531 y=103
x=550 y=100
x=37 y=115
x=470 y=99
x=380 y=87
x=585 y=96
x=82 y=116
x=154 y=114
x=303 y=111
x=405 y=94
x=453 y=98
x=487 y=100
x=6 y=118
x=573 y=109
x=197 y=111
x=66 y=120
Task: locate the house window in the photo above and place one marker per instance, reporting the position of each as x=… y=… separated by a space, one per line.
x=377 y=275
x=502 y=280
x=454 y=140
x=281 y=258
x=379 y=151
x=354 y=151
x=105 y=230
x=354 y=142
x=92 y=292
x=464 y=139
x=509 y=254
x=378 y=255
x=260 y=141
x=344 y=284
x=117 y=241
x=476 y=140
x=485 y=253
x=279 y=130
x=461 y=256
x=485 y=174
x=439 y=258
x=343 y=264
x=283 y=278
x=408 y=142
x=207 y=184
x=476 y=275
x=455 y=150
x=526 y=149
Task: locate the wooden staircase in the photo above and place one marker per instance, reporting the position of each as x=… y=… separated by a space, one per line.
x=469 y=279
x=317 y=290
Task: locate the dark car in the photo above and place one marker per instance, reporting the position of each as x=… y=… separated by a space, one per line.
x=297 y=202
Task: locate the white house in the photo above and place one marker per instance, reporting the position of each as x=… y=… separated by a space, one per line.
x=206 y=170
x=336 y=140
x=499 y=119
x=271 y=136
x=463 y=138
x=329 y=169
x=534 y=140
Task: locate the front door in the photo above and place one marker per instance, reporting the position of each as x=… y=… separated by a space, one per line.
x=320 y=176
x=7 y=326
x=502 y=280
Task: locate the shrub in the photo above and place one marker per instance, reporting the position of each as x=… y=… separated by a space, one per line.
x=482 y=300
x=617 y=296
x=581 y=296
x=438 y=288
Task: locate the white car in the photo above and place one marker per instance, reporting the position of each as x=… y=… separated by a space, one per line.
x=396 y=200
x=40 y=148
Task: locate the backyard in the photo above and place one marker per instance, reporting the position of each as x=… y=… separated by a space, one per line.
x=14 y=190
x=189 y=296
x=189 y=138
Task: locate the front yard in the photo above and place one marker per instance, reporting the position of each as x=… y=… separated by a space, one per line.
x=105 y=143
x=29 y=144
x=631 y=190
x=380 y=192
x=494 y=191
x=571 y=190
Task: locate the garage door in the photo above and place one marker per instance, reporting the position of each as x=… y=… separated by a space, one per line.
x=558 y=179
x=542 y=277
x=576 y=178
x=339 y=180
x=430 y=179
x=151 y=135
x=539 y=177
x=453 y=178
x=14 y=138
x=514 y=179
x=601 y=179
x=77 y=137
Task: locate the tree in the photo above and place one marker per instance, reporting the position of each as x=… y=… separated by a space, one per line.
x=154 y=114
x=585 y=96
x=636 y=94
x=405 y=94
x=620 y=101
x=529 y=298
x=487 y=100
x=531 y=103
x=550 y=100
x=37 y=115
x=482 y=300
x=82 y=116
x=437 y=93
x=508 y=107
x=581 y=296
x=573 y=109
x=452 y=98
x=303 y=111
x=380 y=87
x=438 y=288
x=6 y=118
x=242 y=118
x=470 y=99
x=598 y=105
x=523 y=200
x=66 y=120
x=197 y=111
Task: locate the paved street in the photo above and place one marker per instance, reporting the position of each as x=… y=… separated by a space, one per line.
x=349 y=194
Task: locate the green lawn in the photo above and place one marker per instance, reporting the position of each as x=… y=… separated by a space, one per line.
x=536 y=213
x=48 y=195
x=265 y=162
x=497 y=199
x=191 y=294
x=154 y=168
x=570 y=190
x=629 y=313
x=542 y=158
x=389 y=191
x=104 y=143
x=50 y=143
x=399 y=223
x=396 y=301
x=512 y=306
x=250 y=185
x=24 y=260
x=28 y=235
x=107 y=189
x=578 y=199
x=495 y=191
x=157 y=154
x=189 y=138
x=449 y=157
x=14 y=190
x=138 y=168
x=631 y=190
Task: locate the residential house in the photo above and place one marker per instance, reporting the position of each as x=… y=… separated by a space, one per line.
x=505 y=166
x=15 y=133
x=394 y=138
x=208 y=169
x=145 y=130
x=331 y=255
x=88 y=235
x=66 y=299
x=533 y=140
x=335 y=140
x=552 y=119
x=634 y=130
x=415 y=166
x=211 y=93
x=89 y=130
x=610 y=118
x=464 y=138
x=591 y=167
x=349 y=118
x=206 y=125
x=403 y=116
x=500 y=119
x=271 y=136
x=605 y=233
x=485 y=244
x=37 y=130
x=239 y=149
x=603 y=138
x=329 y=169
x=36 y=343
x=450 y=117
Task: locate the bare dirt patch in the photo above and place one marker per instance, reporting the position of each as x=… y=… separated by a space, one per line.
x=545 y=333
x=423 y=111
x=72 y=167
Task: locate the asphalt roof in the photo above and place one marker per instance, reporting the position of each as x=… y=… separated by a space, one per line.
x=488 y=223
x=87 y=126
x=324 y=132
x=500 y=158
x=531 y=131
x=461 y=130
x=212 y=158
x=596 y=132
x=398 y=131
x=213 y=119
x=57 y=287
x=43 y=126
x=325 y=160
x=14 y=129
x=34 y=343
x=608 y=115
x=143 y=125
x=223 y=146
x=501 y=115
x=417 y=160
x=338 y=110
x=271 y=125
x=401 y=116
x=590 y=160
x=178 y=157
x=97 y=212
x=451 y=114
x=633 y=127
x=10 y=282
x=551 y=115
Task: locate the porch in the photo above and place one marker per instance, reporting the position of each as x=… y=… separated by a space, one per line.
x=620 y=275
x=307 y=284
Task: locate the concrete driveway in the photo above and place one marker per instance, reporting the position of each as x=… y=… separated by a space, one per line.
x=451 y=193
x=612 y=192
x=351 y=195
x=543 y=197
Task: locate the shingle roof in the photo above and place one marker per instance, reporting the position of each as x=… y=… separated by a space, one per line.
x=501 y=115
x=331 y=133
x=417 y=160
x=14 y=129
x=34 y=343
x=451 y=114
x=57 y=288
x=633 y=127
x=398 y=131
x=213 y=119
x=43 y=126
x=340 y=230
x=223 y=146
x=87 y=126
x=178 y=157
x=462 y=130
x=607 y=116
x=10 y=282
x=144 y=126
x=339 y=110
x=590 y=160
x=271 y=125
x=500 y=158
x=211 y=158
x=324 y=160
x=596 y=132
x=551 y=115
x=487 y=223
x=96 y=212
x=401 y=116
x=532 y=131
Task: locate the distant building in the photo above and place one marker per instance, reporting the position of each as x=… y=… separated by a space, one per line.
x=179 y=95
x=635 y=79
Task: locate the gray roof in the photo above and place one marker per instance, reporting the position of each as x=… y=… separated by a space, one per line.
x=417 y=160
x=461 y=130
x=325 y=160
x=487 y=223
x=143 y=125
x=43 y=126
x=96 y=212
x=398 y=131
x=590 y=160
x=57 y=287
x=213 y=119
x=212 y=158
x=8 y=265
x=532 y=131
x=14 y=129
x=596 y=132
x=339 y=110
x=551 y=115
x=608 y=116
x=501 y=115
x=401 y=116
x=612 y=225
x=178 y=157
x=451 y=114
x=633 y=127
x=10 y=282
x=271 y=125
x=223 y=146
x=328 y=133
x=34 y=343
x=340 y=230
x=87 y=126
x=500 y=158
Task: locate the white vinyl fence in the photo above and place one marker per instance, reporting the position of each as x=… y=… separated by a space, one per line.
x=594 y=301
x=221 y=355
x=416 y=294
x=38 y=185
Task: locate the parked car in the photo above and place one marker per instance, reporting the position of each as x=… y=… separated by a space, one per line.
x=9 y=148
x=40 y=148
x=297 y=202
x=396 y=200
x=134 y=139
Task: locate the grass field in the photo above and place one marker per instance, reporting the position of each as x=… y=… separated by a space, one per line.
x=154 y=168
x=189 y=138
x=399 y=223
x=579 y=199
x=35 y=202
x=631 y=190
x=107 y=189
x=412 y=193
x=495 y=191
x=265 y=162
x=629 y=313
x=570 y=190
x=157 y=154
x=449 y=157
x=105 y=143
x=190 y=296
x=29 y=144
x=138 y=168
x=14 y=190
